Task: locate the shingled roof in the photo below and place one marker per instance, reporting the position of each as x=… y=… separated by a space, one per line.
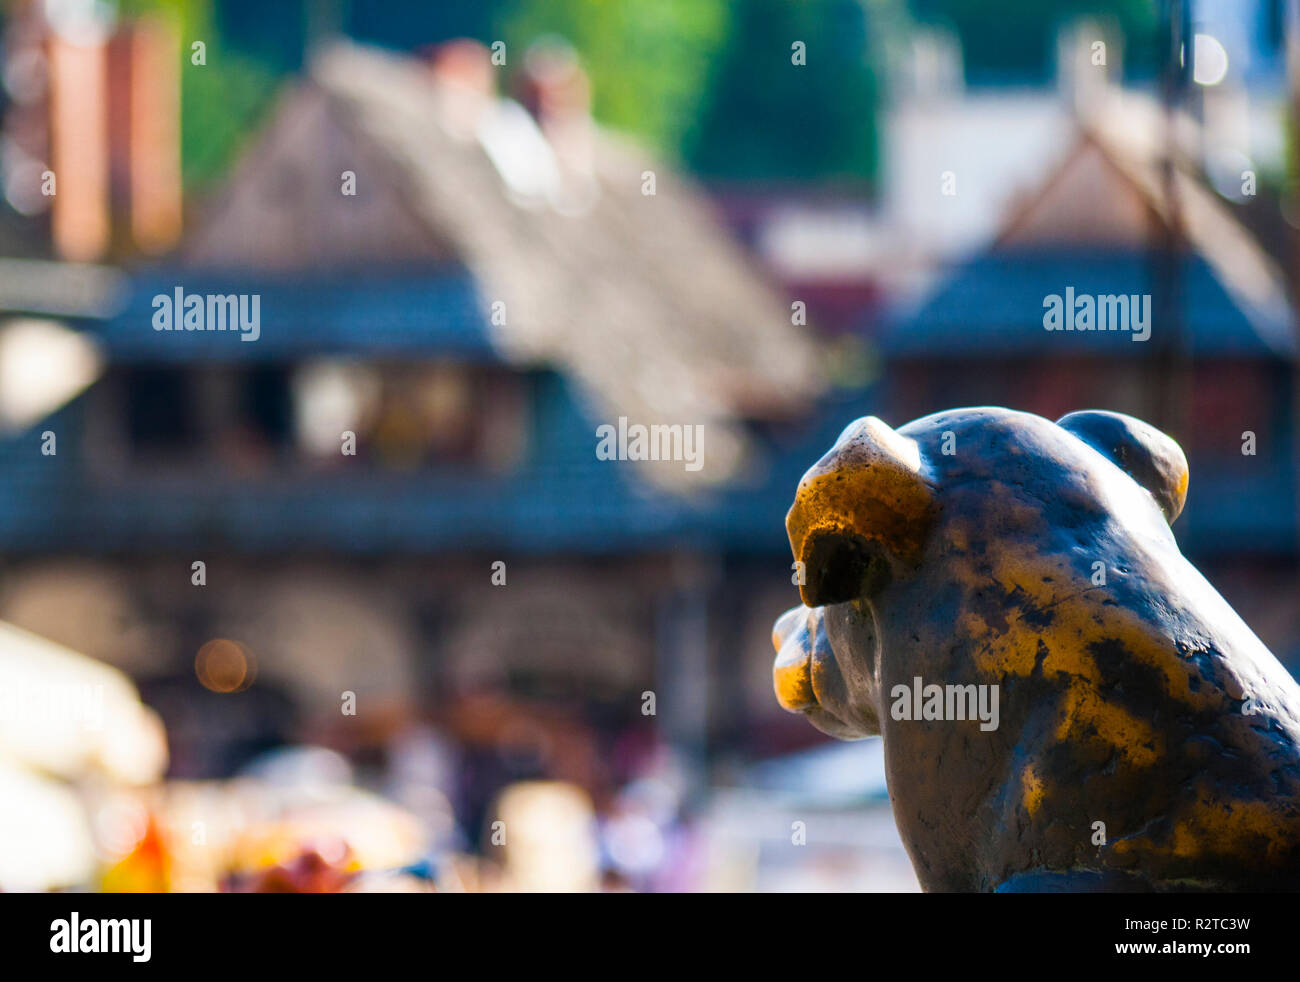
x=1133 y=134
x=1095 y=224
x=643 y=300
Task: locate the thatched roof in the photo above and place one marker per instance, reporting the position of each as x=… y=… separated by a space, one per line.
x=643 y=300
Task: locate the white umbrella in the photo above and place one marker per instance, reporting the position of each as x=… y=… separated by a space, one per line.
x=63 y=717
x=69 y=716
x=45 y=837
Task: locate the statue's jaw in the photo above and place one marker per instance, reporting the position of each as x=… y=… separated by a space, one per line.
x=807 y=679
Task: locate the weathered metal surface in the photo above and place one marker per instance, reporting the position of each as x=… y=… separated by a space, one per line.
x=1143 y=737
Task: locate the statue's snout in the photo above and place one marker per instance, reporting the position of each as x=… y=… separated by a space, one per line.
x=808 y=679
x=860 y=510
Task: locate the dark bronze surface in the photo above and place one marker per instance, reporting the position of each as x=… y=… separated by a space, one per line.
x=1146 y=739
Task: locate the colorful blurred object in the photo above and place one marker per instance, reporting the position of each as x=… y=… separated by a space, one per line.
x=255 y=835
x=68 y=725
x=547 y=829
x=145 y=869
x=326 y=868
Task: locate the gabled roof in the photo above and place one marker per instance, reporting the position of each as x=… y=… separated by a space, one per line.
x=643 y=300
x=1096 y=224
x=993 y=306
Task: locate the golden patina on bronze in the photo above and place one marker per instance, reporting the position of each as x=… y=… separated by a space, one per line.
x=1142 y=737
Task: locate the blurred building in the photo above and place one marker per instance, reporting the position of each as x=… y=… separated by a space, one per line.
x=394 y=491
x=1111 y=219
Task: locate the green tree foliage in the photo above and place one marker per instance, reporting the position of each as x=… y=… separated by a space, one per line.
x=649 y=61
x=223 y=100
x=706 y=82
x=1014 y=40
x=768 y=118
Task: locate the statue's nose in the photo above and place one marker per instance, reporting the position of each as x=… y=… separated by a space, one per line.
x=863 y=506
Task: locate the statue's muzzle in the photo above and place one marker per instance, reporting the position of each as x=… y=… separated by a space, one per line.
x=808 y=679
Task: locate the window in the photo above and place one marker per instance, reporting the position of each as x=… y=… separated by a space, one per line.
x=236 y=421
x=405 y=417
x=160 y=415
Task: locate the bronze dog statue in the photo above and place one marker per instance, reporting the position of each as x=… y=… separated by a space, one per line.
x=1141 y=737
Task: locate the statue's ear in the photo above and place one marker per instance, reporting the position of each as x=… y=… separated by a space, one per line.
x=1145 y=454
x=859 y=511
